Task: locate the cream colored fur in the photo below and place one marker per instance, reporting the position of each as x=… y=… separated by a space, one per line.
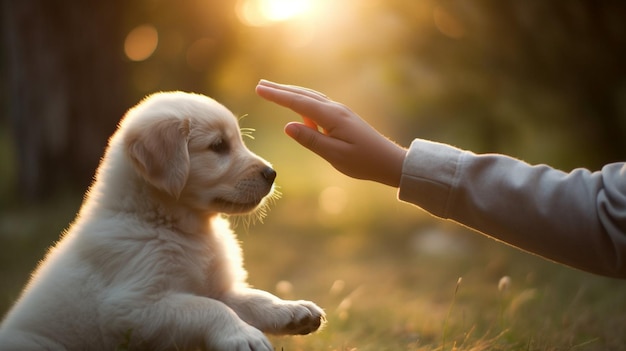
x=150 y=263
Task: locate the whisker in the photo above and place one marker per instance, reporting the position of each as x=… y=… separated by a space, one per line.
x=257 y=216
x=247 y=132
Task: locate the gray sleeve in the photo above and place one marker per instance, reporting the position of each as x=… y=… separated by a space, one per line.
x=576 y=218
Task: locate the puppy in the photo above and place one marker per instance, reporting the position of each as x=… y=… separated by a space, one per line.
x=150 y=263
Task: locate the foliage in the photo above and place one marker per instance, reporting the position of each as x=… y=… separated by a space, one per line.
x=543 y=81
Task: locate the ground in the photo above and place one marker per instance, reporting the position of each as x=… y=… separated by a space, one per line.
x=396 y=281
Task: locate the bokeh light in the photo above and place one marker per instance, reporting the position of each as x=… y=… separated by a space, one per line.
x=333 y=200
x=141 y=42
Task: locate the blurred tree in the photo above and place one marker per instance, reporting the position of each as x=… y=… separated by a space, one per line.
x=574 y=50
x=544 y=81
x=66 y=88
x=69 y=82
x=541 y=53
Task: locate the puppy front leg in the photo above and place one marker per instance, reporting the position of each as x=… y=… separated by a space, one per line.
x=273 y=315
x=183 y=321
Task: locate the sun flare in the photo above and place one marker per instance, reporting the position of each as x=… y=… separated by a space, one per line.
x=266 y=12
x=280 y=10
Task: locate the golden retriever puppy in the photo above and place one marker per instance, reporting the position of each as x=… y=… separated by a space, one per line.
x=150 y=262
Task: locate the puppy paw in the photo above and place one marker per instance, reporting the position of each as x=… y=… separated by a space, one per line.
x=272 y=315
x=297 y=318
x=245 y=339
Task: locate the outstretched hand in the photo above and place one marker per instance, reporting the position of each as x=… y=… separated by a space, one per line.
x=337 y=134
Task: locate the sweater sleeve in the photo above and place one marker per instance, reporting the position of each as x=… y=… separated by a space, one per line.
x=576 y=218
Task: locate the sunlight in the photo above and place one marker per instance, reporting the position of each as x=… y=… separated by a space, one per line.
x=280 y=10
x=266 y=12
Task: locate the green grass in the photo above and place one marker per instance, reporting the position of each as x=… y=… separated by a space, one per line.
x=380 y=290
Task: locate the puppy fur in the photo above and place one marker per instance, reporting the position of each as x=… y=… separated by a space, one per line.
x=150 y=262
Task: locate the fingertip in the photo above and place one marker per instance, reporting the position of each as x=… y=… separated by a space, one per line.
x=310 y=138
x=262 y=84
x=260 y=89
x=292 y=129
x=265 y=87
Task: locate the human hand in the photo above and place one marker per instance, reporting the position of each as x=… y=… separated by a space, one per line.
x=337 y=134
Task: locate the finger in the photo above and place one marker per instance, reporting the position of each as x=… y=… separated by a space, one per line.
x=321 y=113
x=295 y=89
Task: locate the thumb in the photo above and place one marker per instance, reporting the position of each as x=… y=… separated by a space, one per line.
x=309 y=138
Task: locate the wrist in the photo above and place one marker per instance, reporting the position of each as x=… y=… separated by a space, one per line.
x=399 y=164
x=393 y=166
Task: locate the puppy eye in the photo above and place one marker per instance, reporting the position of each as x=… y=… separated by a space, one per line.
x=219 y=146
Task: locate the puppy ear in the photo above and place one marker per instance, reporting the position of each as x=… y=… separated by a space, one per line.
x=159 y=153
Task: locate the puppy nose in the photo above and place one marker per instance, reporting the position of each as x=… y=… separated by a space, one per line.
x=269 y=174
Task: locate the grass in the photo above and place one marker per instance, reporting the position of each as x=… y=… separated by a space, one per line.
x=383 y=283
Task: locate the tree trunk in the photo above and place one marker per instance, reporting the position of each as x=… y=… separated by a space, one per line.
x=66 y=88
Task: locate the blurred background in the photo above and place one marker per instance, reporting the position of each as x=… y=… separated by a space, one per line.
x=544 y=81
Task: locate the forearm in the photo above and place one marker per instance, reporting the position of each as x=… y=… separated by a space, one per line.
x=576 y=218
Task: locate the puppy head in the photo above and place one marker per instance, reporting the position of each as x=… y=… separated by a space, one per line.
x=189 y=147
